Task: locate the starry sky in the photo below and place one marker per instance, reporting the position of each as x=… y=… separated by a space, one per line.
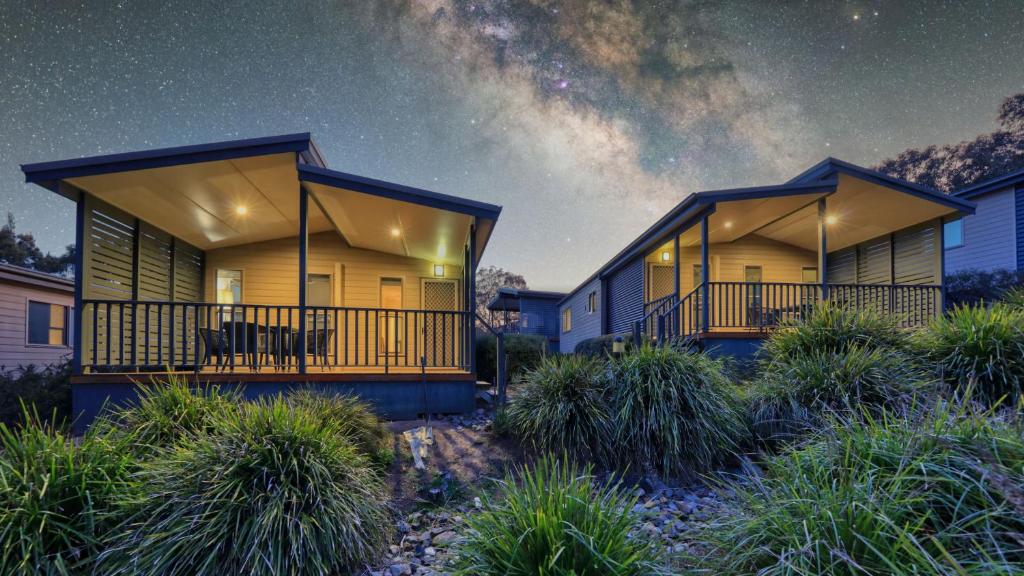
x=585 y=119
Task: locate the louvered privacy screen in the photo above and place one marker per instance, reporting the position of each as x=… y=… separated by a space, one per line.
x=150 y=267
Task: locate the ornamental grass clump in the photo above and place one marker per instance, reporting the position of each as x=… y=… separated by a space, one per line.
x=983 y=345
x=56 y=496
x=557 y=520
x=168 y=410
x=562 y=406
x=1014 y=297
x=270 y=489
x=838 y=359
x=353 y=417
x=674 y=411
x=940 y=492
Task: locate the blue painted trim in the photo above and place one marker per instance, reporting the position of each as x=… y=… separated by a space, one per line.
x=1018 y=200
x=398 y=192
x=990 y=185
x=705 y=275
x=829 y=166
x=303 y=265
x=76 y=354
x=472 y=295
x=61 y=169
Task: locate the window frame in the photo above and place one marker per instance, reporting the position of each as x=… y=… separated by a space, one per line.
x=592 y=302
x=945 y=237
x=65 y=327
x=567 y=319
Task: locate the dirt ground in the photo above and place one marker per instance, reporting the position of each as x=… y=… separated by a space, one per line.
x=459 y=463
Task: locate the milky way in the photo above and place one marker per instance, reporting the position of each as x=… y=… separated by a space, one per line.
x=585 y=119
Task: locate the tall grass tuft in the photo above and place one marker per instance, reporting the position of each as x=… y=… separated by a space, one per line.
x=833 y=326
x=168 y=410
x=938 y=492
x=55 y=494
x=984 y=345
x=797 y=395
x=352 y=416
x=674 y=411
x=1014 y=297
x=562 y=407
x=556 y=520
x=271 y=489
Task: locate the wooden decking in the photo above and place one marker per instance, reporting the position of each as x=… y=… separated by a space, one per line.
x=245 y=375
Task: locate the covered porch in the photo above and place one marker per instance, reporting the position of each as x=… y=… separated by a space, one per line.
x=747 y=261
x=250 y=261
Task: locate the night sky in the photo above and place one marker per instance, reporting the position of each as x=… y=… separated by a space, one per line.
x=586 y=120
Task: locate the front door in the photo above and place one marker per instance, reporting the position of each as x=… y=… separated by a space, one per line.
x=390 y=341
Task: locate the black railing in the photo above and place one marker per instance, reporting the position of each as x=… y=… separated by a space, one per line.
x=764 y=305
x=140 y=336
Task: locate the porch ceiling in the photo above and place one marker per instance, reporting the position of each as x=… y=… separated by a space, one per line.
x=201 y=202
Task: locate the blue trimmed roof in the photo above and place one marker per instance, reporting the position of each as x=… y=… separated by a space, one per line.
x=991 y=185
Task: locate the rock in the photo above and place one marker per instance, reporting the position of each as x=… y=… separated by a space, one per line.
x=400 y=570
x=430 y=551
x=404 y=527
x=445 y=538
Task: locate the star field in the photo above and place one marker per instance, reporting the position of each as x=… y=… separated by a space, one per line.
x=585 y=120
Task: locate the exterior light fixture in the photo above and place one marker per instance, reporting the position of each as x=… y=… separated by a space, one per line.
x=830 y=220
x=618 y=345
x=395 y=232
x=666 y=256
x=241 y=210
x=439 y=270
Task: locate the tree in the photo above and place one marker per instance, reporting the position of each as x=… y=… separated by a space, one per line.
x=489 y=280
x=954 y=166
x=21 y=250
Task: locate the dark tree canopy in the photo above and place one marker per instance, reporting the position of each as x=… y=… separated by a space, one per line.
x=21 y=250
x=954 y=166
x=488 y=280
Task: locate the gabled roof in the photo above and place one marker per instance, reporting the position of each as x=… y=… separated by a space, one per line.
x=991 y=185
x=50 y=172
x=506 y=295
x=19 y=275
x=829 y=167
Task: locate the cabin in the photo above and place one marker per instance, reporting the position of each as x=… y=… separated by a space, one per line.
x=993 y=237
x=522 y=311
x=251 y=264
x=723 y=268
x=35 y=318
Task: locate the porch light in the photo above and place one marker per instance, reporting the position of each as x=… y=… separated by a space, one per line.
x=241 y=210
x=439 y=270
x=830 y=220
x=395 y=232
x=728 y=224
x=666 y=256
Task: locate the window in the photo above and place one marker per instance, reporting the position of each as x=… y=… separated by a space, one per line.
x=567 y=320
x=47 y=324
x=318 y=290
x=592 y=302
x=953 y=233
x=229 y=286
x=809 y=274
x=698 y=276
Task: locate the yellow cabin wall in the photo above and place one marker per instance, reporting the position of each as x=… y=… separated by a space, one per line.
x=270 y=271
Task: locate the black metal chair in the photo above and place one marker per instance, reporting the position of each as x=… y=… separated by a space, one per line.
x=317 y=344
x=241 y=338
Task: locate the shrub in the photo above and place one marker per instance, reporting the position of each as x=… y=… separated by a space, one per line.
x=984 y=345
x=46 y=391
x=934 y=494
x=525 y=352
x=673 y=411
x=555 y=519
x=272 y=489
x=832 y=326
x=562 y=406
x=796 y=395
x=601 y=346
x=972 y=287
x=55 y=496
x=354 y=418
x=167 y=411
x=1014 y=297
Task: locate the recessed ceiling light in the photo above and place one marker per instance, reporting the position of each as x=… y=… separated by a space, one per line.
x=395 y=231
x=241 y=210
x=830 y=220
x=728 y=224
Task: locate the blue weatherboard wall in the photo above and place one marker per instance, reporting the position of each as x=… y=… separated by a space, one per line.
x=403 y=399
x=990 y=236
x=625 y=300
x=1020 y=227
x=541 y=317
x=584 y=325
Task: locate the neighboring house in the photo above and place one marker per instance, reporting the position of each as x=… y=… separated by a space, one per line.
x=35 y=318
x=993 y=237
x=251 y=263
x=723 y=267
x=528 y=312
